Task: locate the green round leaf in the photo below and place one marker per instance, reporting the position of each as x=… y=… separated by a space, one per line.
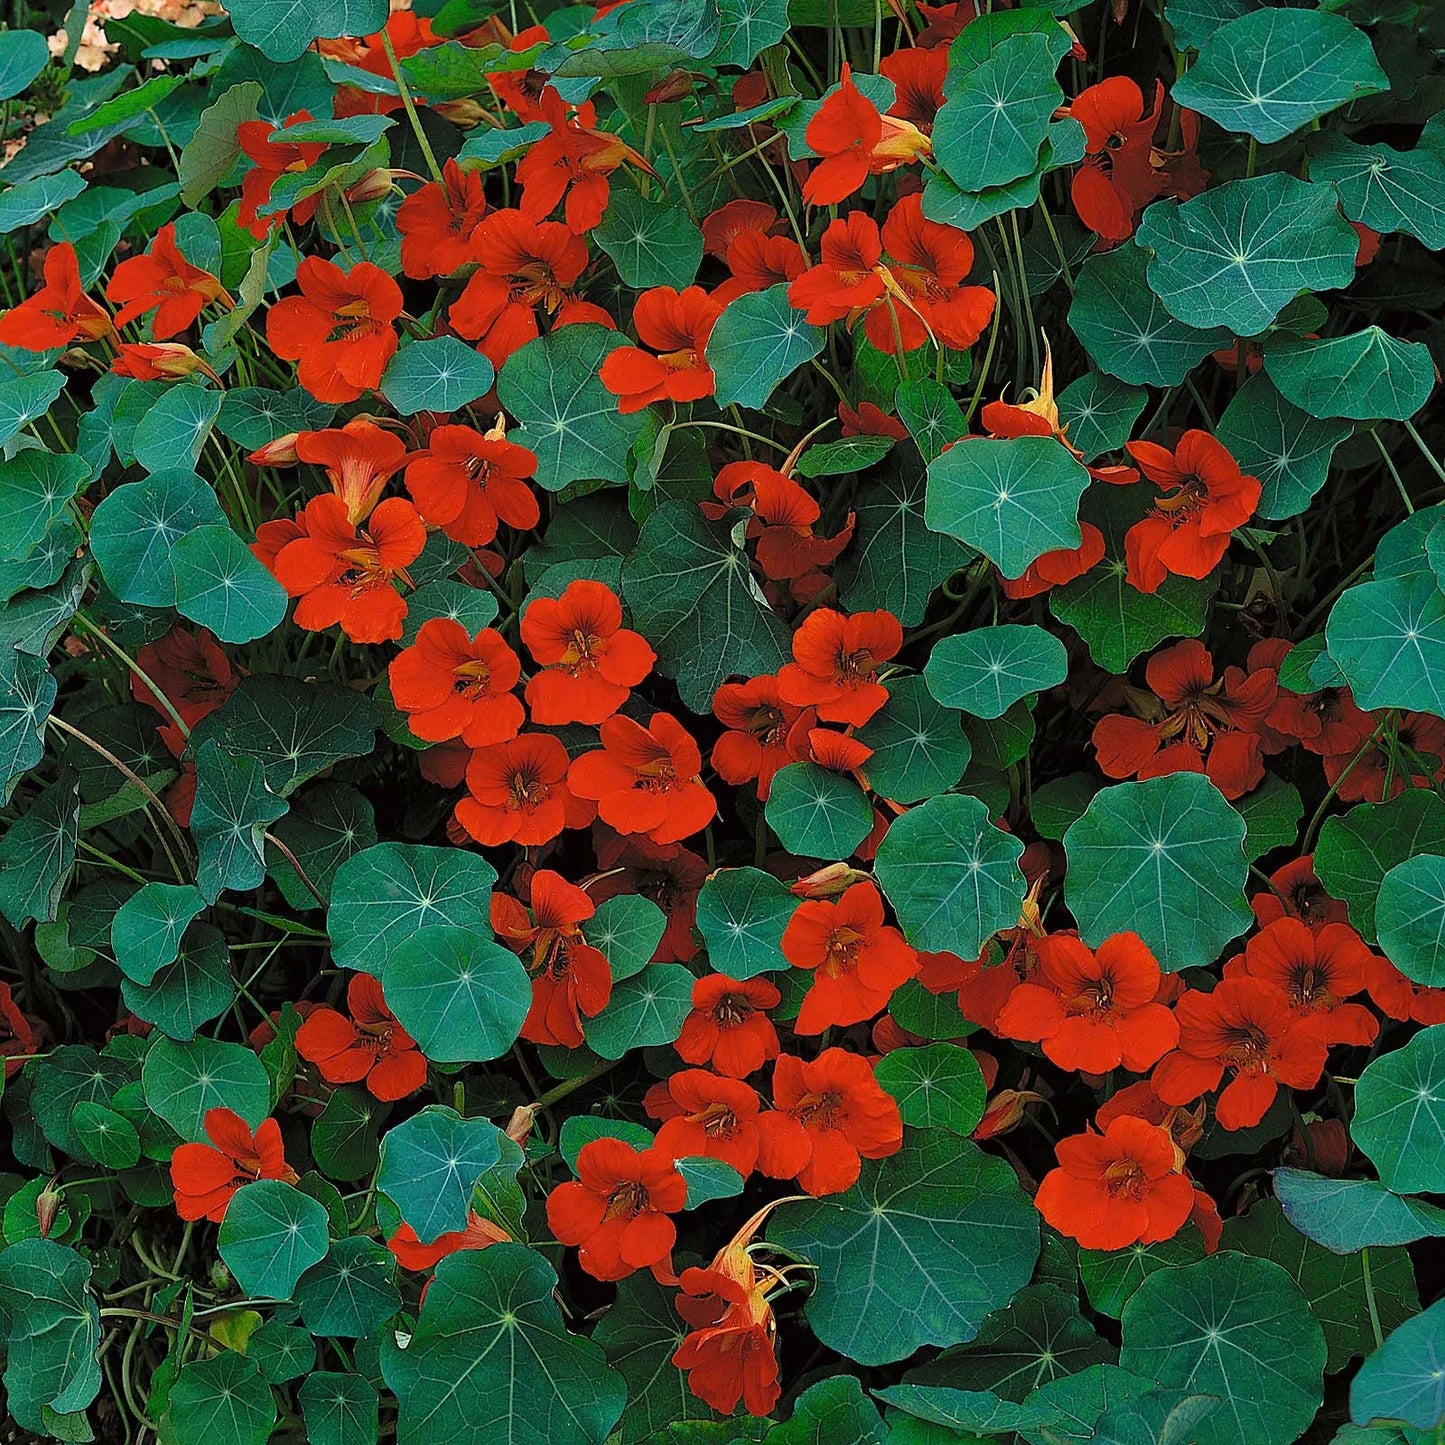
x=386 y=894
x=1110 y=1276
x=23 y=55
x=339 y=1409
x=110 y=1137
x=918 y=1252
x=1164 y=859
x=1272 y=71
x=940 y=1086
x=221 y=585
x=1235 y=1327
x=1013 y=500
x=271 y=1235
x=194 y=988
x=651 y=240
x=645 y=1010
x=233 y=808
x=758 y=342
x=1410 y=917
x=1364 y=376
x=741 y=914
x=134 y=532
x=474 y=607
x=540 y=1380
x=184 y=1081
x=627 y=930
x=1388 y=639
x=986 y=671
x=282 y=29
x=438 y=376
x=176 y=425
x=817 y=813
x=952 y=877
x=1403 y=1380
x=430 y=1164
x=1385 y=189
x=919 y=748
x=1346 y=1215
x=461 y=996
x=344 y=1135
x=223 y=1399
x=1234 y=256
x=351 y=1292
x=147 y=928
x=1097 y=413
x=1400 y=1114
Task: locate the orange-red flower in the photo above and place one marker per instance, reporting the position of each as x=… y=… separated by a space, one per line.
x=840 y=1116
x=1118 y=1188
x=370 y=1046
x=453 y=685
x=708 y=1115
x=617 y=1210
x=835 y=664
x=1296 y=892
x=270 y=161
x=468 y=483
x=1057 y=568
x=437 y=221
x=1245 y=1028
x=570 y=978
x=573 y=162
x=590 y=662
x=1191 y=723
x=158 y=361
x=917 y=75
x=162 y=281
x=359 y=459
x=757 y=261
x=205 y=1176
x=857 y=960
x=411 y=1253
x=666 y=874
x=1092 y=1009
x=1206 y=497
x=1398 y=997
x=18 y=1037
x=1117 y=178
x=759 y=727
x=345 y=575
x=59 y=313
x=645 y=779
x=523 y=267
x=917 y=296
x=855 y=142
x=676 y=325
x=1319 y=970
x=518 y=793
x=1399 y=758
x=728 y=1027
x=339 y=330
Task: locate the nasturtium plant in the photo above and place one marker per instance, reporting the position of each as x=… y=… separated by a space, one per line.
x=722 y=720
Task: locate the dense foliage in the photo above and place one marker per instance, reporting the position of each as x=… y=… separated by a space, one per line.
x=722 y=720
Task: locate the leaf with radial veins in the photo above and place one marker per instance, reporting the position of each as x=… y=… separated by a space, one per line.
x=283 y=29
x=430 y=1164
x=1365 y=376
x=741 y=914
x=1097 y=413
x=1234 y=256
x=1012 y=499
x=271 y=1235
x=1410 y=916
x=651 y=241
x=1346 y=1215
x=1405 y=1379
x=1385 y=189
x=1236 y=1327
x=986 y=671
x=817 y=813
x=919 y=747
x=1400 y=1114
x=952 y=877
x=1164 y=859
x=1273 y=71
x=758 y=342
x=1388 y=639
x=929 y=1242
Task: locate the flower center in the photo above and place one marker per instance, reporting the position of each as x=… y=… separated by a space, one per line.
x=1124 y=1179
x=628 y=1199
x=843 y=946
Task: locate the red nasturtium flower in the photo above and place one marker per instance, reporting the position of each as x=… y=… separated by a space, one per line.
x=344 y=574
x=1093 y=1009
x=1117 y=178
x=570 y=978
x=1248 y=1029
x=164 y=282
x=270 y=161
x=411 y=1253
x=1205 y=497
x=1296 y=892
x=857 y=960
x=437 y=221
x=158 y=361
x=666 y=874
x=17 y=1035
x=1118 y=1188
x=916 y=296
x=453 y=685
x=758 y=727
x=1319 y=970
x=645 y=779
x=370 y=1046
x=856 y=142
x=835 y=664
x=1191 y=723
x=589 y=661
x=917 y=75
x=709 y=1115
x=359 y=459
x=618 y=1210
x=339 y=329
x=728 y=1028
x=518 y=793
x=675 y=325
x=205 y=1176
x=468 y=483
x=59 y=313
x=840 y=1116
